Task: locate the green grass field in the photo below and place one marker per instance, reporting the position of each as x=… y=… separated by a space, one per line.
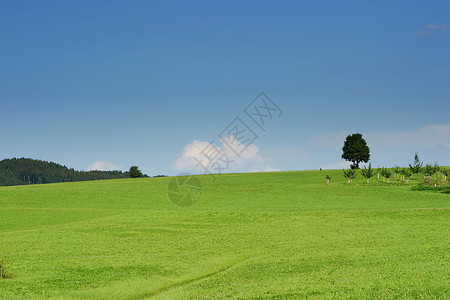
x=282 y=235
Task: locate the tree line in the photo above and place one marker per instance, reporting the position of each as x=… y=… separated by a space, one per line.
x=20 y=171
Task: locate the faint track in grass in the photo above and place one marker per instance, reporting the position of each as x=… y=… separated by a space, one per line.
x=186 y=281
x=116 y=212
x=124 y=210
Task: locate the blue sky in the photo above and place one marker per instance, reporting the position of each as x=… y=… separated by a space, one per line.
x=110 y=84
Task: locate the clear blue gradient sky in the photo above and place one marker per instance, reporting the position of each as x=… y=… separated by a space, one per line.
x=121 y=83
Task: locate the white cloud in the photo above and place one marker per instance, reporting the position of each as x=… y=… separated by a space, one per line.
x=249 y=157
x=434 y=26
x=103 y=166
x=425 y=32
x=194 y=157
x=336 y=165
x=270 y=169
x=186 y=161
x=426 y=137
x=266 y=169
x=431 y=28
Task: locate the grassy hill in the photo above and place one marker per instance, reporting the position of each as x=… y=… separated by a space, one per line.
x=257 y=235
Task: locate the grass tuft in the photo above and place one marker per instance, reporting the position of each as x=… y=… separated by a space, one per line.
x=4 y=273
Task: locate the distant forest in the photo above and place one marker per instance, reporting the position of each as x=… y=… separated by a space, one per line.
x=19 y=171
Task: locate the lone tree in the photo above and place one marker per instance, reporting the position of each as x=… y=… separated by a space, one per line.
x=134 y=172
x=416 y=166
x=355 y=150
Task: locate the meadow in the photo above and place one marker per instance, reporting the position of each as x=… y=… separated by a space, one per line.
x=281 y=235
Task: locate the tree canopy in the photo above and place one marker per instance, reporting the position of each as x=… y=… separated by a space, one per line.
x=134 y=172
x=355 y=150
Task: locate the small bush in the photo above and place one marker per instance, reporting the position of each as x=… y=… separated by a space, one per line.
x=433 y=182
x=386 y=173
x=4 y=274
x=429 y=170
x=350 y=174
x=433 y=185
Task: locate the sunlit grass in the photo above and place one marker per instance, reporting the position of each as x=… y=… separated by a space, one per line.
x=281 y=234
